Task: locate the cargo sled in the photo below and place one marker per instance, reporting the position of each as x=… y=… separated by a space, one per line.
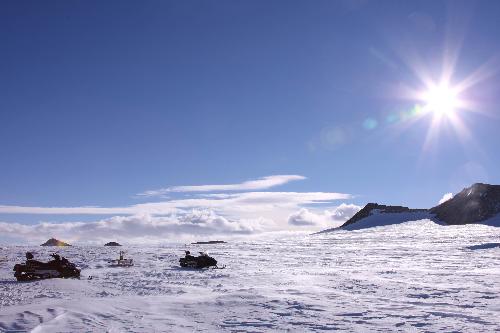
x=121 y=261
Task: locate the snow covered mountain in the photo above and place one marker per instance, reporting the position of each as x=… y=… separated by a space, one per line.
x=374 y=215
x=479 y=203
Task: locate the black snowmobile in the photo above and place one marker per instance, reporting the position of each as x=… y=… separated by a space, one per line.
x=59 y=267
x=202 y=261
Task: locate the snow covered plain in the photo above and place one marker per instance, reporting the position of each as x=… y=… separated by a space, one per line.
x=412 y=277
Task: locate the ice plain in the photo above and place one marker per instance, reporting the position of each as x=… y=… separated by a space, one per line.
x=411 y=277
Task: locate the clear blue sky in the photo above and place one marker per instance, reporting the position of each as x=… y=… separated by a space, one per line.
x=101 y=100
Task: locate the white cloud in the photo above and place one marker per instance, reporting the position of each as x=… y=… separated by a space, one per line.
x=344 y=211
x=249 y=185
x=446 y=197
x=327 y=218
x=305 y=217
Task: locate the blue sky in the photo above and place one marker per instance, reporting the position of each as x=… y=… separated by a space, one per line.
x=104 y=100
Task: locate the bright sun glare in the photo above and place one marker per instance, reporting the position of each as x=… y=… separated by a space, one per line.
x=441 y=99
x=445 y=102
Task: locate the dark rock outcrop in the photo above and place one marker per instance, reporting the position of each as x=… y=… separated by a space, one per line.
x=210 y=242
x=112 y=244
x=472 y=205
x=485 y=246
x=54 y=242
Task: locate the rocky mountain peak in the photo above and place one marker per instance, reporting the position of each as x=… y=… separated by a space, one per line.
x=476 y=203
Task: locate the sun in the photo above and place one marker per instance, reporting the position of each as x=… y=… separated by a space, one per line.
x=445 y=100
x=441 y=99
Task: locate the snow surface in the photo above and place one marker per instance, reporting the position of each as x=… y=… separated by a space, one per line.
x=494 y=221
x=410 y=277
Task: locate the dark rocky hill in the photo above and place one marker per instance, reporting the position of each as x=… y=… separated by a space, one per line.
x=112 y=244
x=55 y=242
x=473 y=204
x=210 y=242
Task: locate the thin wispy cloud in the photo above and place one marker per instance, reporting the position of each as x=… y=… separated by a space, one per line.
x=82 y=210
x=249 y=185
x=236 y=202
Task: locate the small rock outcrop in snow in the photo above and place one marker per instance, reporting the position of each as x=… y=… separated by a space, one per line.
x=485 y=246
x=478 y=203
x=54 y=242
x=112 y=244
x=210 y=242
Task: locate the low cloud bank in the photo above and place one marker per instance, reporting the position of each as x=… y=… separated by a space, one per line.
x=194 y=224
x=137 y=228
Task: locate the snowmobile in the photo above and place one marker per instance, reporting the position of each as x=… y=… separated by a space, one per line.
x=59 y=267
x=202 y=261
x=121 y=262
